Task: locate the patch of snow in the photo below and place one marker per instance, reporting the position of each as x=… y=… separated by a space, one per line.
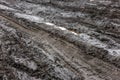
x=50 y=24
x=4 y=1
x=106 y=2
x=30 y=17
x=74 y=33
x=91 y=40
x=6 y=8
x=66 y=14
x=36 y=19
x=114 y=52
x=115 y=24
x=72 y=14
x=62 y=28
x=91 y=0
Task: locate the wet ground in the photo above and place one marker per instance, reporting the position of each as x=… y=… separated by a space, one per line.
x=59 y=40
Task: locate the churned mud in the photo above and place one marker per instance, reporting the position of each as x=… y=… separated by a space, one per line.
x=59 y=40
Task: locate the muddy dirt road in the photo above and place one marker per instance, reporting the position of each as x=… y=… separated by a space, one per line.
x=59 y=40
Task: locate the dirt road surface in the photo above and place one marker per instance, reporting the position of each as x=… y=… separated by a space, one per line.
x=59 y=40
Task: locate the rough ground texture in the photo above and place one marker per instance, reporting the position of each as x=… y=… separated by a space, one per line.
x=59 y=40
